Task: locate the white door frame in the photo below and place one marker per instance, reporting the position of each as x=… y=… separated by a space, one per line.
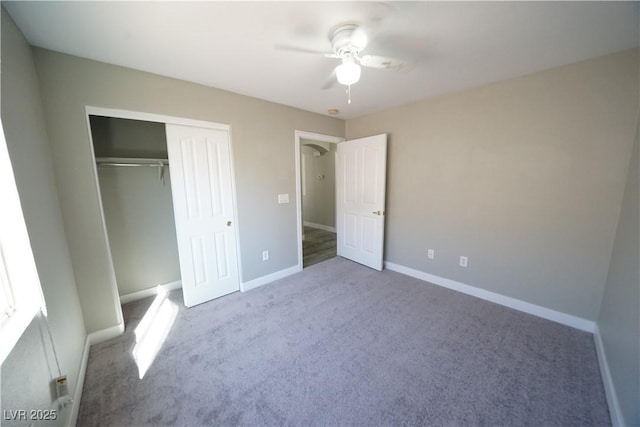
x=158 y=118
x=299 y=136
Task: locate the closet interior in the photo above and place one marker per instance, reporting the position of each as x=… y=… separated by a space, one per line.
x=135 y=188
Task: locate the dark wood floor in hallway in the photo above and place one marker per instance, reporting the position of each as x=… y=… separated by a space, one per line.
x=317 y=246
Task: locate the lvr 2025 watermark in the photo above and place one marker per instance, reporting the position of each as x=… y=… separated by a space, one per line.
x=30 y=414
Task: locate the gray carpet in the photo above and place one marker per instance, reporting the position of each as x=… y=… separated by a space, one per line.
x=340 y=344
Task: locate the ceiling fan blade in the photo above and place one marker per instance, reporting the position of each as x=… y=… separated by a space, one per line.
x=330 y=82
x=411 y=49
x=303 y=50
x=385 y=63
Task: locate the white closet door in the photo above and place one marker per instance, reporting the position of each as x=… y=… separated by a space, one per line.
x=200 y=165
x=361 y=178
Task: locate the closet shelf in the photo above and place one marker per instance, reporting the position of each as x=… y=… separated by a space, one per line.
x=130 y=161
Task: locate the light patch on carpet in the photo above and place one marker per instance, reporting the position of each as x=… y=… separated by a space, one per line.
x=153 y=331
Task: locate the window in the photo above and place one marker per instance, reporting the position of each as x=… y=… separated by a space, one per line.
x=20 y=292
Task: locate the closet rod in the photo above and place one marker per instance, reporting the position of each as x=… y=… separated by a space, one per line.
x=158 y=164
x=132 y=161
x=124 y=161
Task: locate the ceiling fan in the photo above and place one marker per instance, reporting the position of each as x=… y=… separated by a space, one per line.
x=348 y=41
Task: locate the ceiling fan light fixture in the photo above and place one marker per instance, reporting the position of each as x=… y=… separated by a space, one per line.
x=348 y=72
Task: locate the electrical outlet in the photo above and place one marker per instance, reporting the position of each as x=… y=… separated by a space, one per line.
x=464 y=261
x=431 y=254
x=265 y=255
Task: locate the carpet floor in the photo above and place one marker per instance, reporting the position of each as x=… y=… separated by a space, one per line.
x=340 y=344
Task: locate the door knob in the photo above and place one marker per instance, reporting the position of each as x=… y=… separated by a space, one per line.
x=228 y=223
x=378 y=212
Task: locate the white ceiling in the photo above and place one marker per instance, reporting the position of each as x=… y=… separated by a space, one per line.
x=237 y=45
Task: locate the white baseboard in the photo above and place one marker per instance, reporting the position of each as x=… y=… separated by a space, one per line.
x=149 y=292
x=516 y=304
x=106 y=334
x=77 y=395
x=92 y=338
x=610 y=391
x=319 y=226
x=252 y=284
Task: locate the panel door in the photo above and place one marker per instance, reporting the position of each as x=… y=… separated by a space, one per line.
x=361 y=184
x=200 y=166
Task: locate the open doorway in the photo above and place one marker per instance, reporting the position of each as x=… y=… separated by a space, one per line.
x=318 y=173
x=316 y=190
x=360 y=175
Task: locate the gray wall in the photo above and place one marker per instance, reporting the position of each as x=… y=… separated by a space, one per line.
x=619 y=321
x=137 y=205
x=25 y=374
x=525 y=177
x=319 y=195
x=138 y=211
x=263 y=149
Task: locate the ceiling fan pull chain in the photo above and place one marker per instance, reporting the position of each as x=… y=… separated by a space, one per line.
x=348 y=94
